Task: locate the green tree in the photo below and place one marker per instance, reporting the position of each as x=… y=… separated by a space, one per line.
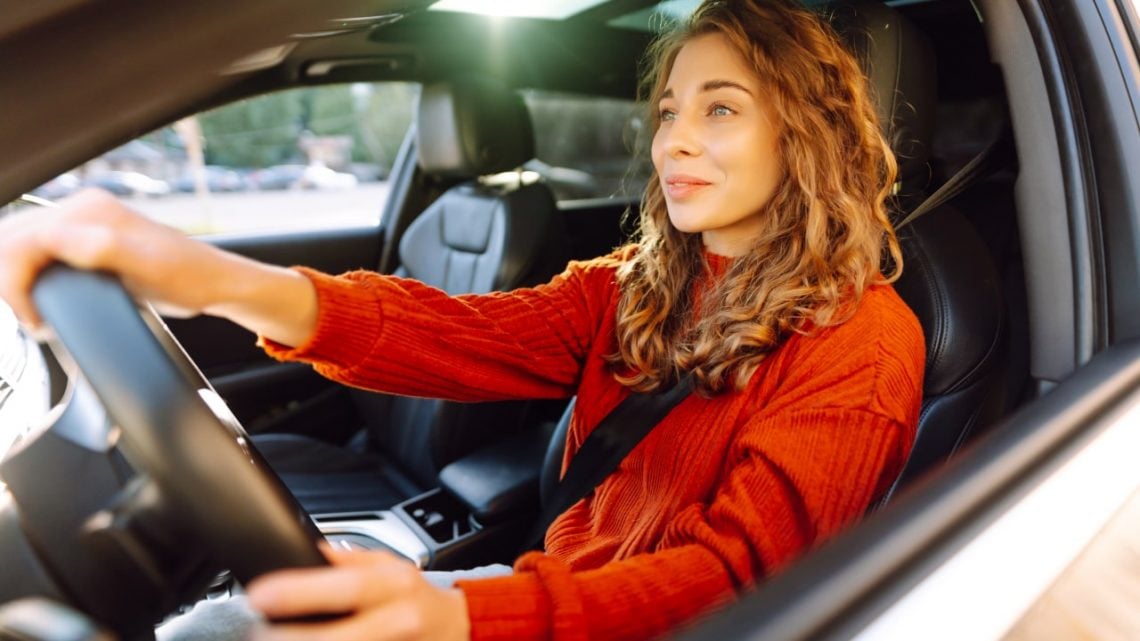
x=391 y=108
x=257 y=132
x=377 y=116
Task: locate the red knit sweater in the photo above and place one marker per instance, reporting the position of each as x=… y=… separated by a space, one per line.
x=720 y=494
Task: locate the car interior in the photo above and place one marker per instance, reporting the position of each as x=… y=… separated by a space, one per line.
x=452 y=485
x=955 y=280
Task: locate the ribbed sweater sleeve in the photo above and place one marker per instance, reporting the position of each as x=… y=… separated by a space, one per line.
x=400 y=336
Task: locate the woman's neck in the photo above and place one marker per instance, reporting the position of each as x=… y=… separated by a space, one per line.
x=733 y=241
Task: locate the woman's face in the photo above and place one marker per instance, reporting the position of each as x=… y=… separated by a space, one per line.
x=715 y=149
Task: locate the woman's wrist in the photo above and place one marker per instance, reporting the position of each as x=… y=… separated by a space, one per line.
x=275 y=302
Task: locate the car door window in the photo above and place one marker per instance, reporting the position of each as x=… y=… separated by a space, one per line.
x=319 y=157
x=309 y=158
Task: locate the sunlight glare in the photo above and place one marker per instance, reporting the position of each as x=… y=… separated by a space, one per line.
x=552 y=9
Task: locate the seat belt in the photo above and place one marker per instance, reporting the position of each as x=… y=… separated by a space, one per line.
x=614 y=438
x=990 y=158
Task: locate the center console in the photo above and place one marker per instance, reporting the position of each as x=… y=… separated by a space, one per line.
x=434 y=531
x=481 y=514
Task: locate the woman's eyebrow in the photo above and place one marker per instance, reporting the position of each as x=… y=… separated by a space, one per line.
x=712 y=85
x=724 y=84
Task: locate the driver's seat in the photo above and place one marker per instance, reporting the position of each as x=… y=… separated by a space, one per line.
x=948 y=280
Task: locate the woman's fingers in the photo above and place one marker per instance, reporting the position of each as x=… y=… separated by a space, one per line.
x=380 y=597
x=93 y=230
x=180 y=275
x=396 y=621
x=359 y=581
x=79 y=232
x=21 y=259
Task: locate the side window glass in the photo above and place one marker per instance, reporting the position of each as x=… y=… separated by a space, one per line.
x=309 y=158
x=588 y=147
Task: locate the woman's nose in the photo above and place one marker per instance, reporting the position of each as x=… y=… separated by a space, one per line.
x=681 y=137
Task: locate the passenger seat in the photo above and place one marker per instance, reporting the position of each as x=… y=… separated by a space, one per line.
x=475 y=238
x=948 y=279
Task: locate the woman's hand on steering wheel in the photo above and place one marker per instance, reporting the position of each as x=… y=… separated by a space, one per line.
x=373 y=595
x=93 y=230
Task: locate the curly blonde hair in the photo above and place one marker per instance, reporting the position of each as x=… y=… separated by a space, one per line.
x=826 y=235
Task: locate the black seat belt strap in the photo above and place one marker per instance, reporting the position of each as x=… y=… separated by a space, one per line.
x=993 y=156
x=603 y=450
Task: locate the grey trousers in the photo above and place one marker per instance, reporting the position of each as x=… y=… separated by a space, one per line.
x=231 y=618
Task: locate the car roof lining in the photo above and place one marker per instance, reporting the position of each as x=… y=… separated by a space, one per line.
x=124 y=93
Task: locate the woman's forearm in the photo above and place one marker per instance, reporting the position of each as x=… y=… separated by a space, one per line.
x=274 y=302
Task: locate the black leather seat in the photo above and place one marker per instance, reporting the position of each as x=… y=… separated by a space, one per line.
x=475 y=238
x=949 y=278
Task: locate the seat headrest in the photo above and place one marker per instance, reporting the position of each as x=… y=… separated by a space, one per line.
x=472 y=127
x=900 y=63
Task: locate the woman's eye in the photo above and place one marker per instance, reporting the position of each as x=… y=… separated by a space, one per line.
x=721 y=110
x=666 y=115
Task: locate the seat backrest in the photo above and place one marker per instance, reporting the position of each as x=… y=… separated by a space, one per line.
x=951 y=283
x=475 y=238
x=949 y=279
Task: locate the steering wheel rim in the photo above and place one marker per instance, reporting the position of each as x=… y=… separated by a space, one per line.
x=200 y=459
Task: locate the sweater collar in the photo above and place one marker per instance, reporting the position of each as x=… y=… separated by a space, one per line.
x=718 y=264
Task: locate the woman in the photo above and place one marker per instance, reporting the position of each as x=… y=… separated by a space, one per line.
x=757 y=270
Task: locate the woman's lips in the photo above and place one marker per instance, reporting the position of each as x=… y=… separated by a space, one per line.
x=681 y=186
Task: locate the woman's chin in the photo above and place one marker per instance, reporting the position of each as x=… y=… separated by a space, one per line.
x=686 y=225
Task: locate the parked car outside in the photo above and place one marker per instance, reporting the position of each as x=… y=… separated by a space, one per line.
x=322 y=177
x=216 y=179
x=62 y=185
x=277 y=177
x=129 y=183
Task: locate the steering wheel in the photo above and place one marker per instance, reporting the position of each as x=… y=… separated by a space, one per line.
x=179 y=432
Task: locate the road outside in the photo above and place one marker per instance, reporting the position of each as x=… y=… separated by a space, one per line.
x=261 y=211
